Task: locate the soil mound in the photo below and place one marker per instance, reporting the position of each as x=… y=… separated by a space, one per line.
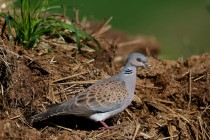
x=172 y=98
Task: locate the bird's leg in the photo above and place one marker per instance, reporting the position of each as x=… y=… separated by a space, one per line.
x=104 y=124
x=107 y=127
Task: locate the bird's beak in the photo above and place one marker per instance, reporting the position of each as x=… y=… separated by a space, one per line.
x=147 y=66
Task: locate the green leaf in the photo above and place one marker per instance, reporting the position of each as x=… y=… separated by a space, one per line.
x=29 y=26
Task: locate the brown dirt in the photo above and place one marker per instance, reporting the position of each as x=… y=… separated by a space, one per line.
x=172 y=98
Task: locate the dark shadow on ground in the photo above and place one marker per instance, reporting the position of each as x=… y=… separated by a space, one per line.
x=72 y=122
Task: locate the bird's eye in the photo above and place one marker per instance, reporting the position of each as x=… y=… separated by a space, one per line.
x=138 y=59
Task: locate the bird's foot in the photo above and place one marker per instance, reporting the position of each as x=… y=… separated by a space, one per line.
x=107 y=127
x=104 y=124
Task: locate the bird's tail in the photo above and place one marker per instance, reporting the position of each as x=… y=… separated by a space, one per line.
x=40 y=117
x=51 y=111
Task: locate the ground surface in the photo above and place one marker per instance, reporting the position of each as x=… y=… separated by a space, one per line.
x=172 y=98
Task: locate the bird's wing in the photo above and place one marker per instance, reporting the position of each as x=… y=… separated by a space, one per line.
x=100 y=97
x=103 y=97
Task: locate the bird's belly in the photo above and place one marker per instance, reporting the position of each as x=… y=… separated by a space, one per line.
x=103 y=116
x=100 y=116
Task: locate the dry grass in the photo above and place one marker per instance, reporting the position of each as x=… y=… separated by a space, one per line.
x=174 y=98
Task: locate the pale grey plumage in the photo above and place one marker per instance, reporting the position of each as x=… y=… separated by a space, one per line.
x=102 y=99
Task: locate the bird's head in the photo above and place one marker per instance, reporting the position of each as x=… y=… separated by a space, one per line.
x=138 y=60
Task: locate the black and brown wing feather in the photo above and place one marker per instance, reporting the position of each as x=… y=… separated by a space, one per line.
x=101 y=97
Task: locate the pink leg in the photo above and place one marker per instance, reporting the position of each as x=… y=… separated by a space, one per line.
x=104 y=124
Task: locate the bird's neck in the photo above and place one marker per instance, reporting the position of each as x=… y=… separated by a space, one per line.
x=129 y=76
x=129 y=70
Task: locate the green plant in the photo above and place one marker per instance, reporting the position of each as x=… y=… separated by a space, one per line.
x=32 y=23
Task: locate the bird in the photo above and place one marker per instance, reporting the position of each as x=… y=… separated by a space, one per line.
x=103 y=99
